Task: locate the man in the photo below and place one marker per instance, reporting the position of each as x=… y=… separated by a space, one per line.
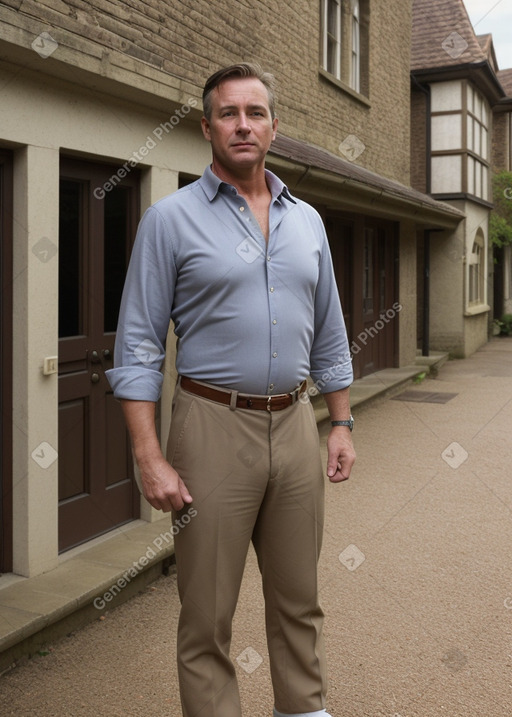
x=243 y=269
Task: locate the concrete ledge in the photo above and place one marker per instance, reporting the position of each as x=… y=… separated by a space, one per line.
x=109 y=570
x=88 y=581
x=384 y=384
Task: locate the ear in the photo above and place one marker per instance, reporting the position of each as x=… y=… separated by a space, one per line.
x=205 y=126
x=275 y=122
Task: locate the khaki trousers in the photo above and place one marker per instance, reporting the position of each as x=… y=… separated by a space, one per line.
x=253 y=475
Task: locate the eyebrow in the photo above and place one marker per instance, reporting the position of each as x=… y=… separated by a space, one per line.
x=250 y=107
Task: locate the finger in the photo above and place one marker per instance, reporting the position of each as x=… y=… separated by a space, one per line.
x=185 y=495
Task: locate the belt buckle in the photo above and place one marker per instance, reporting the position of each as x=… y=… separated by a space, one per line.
x=269 y=404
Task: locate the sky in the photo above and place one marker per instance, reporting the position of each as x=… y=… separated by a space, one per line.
x=494 y=16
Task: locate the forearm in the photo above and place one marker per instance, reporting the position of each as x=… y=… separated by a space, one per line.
x=162 y=486
x=338 y=404
x=340 y=451
x=140 y=420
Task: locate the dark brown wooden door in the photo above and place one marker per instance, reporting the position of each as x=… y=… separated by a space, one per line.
x=97 y=490
x=6 y=361
x=364 y=258
x=376 y=327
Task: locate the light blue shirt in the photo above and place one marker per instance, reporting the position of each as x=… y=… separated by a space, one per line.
x=250 y=316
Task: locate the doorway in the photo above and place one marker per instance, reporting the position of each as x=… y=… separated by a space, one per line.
x=97 y=490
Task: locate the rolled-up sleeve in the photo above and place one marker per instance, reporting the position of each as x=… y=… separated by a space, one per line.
x=331 y=363
x=145 y=313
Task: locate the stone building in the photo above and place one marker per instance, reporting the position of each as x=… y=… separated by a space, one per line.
x=460 y=119
x=100 y=117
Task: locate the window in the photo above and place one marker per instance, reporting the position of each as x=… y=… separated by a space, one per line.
x=460 y=126
x=344 y=51
x=356 y=48
x=332 y=37
x=476 y=269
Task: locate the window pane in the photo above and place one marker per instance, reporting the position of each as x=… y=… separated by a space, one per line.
x=484 y=113
x=478 y=180
x=332 y=18
x=354 y=79
x=70 y=251
x=485 y=182
x=485 y=146
x=471 y=175
x=476 y=132
x=331 y=57
x=116 y=232
x=446 y=132
x=446 y=174
x=446 y=96
x=470 y=138
x=470 y=99
x=478 y=105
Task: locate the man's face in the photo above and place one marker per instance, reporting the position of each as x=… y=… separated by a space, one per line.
x=240 y=128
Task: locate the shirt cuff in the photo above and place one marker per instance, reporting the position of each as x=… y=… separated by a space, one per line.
x=135 y=384
x=333 y=378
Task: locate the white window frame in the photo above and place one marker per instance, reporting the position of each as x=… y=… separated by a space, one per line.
x=336 y=39
x=477 y=271
x=355 y=56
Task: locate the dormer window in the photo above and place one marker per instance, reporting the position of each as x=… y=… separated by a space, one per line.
x=460 y=119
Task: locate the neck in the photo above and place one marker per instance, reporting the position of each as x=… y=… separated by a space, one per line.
x=248 y=182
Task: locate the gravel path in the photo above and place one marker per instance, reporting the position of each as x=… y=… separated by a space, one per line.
x=416 y=579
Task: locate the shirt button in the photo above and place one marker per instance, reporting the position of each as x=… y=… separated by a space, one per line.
x=274 y=322
x=242 y=209
x=268 y=257
x=271 y=289
x=271 y=387
x=274 y=354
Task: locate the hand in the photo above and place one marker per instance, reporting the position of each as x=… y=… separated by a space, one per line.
x=340 y=454
x=162 y=486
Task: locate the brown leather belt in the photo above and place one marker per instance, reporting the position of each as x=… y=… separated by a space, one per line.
x=242 y=400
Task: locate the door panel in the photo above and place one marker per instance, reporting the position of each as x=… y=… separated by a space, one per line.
x=97 y=490
x=6 y=361
x=364 y=256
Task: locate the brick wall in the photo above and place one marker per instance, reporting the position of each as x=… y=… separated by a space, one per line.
x=419 y=141
x=501 y=141
x=191 y=38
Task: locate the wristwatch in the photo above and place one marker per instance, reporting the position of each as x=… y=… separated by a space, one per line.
x=349 y=423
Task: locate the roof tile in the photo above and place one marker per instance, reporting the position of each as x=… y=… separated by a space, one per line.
x=442 y=35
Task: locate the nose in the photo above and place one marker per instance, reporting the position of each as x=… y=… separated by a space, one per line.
x=243 y=124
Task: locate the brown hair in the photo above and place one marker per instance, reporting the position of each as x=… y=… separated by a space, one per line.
x=243 y=69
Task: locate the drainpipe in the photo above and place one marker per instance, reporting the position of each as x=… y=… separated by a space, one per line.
x=425 y=350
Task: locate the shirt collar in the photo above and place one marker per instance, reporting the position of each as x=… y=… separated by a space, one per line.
x=212 y=185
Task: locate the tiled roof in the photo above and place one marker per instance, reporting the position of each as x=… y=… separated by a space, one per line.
x=485 y=41
x=442 y=35
x=315 y=157
x=505 y=78
x=487 y=47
